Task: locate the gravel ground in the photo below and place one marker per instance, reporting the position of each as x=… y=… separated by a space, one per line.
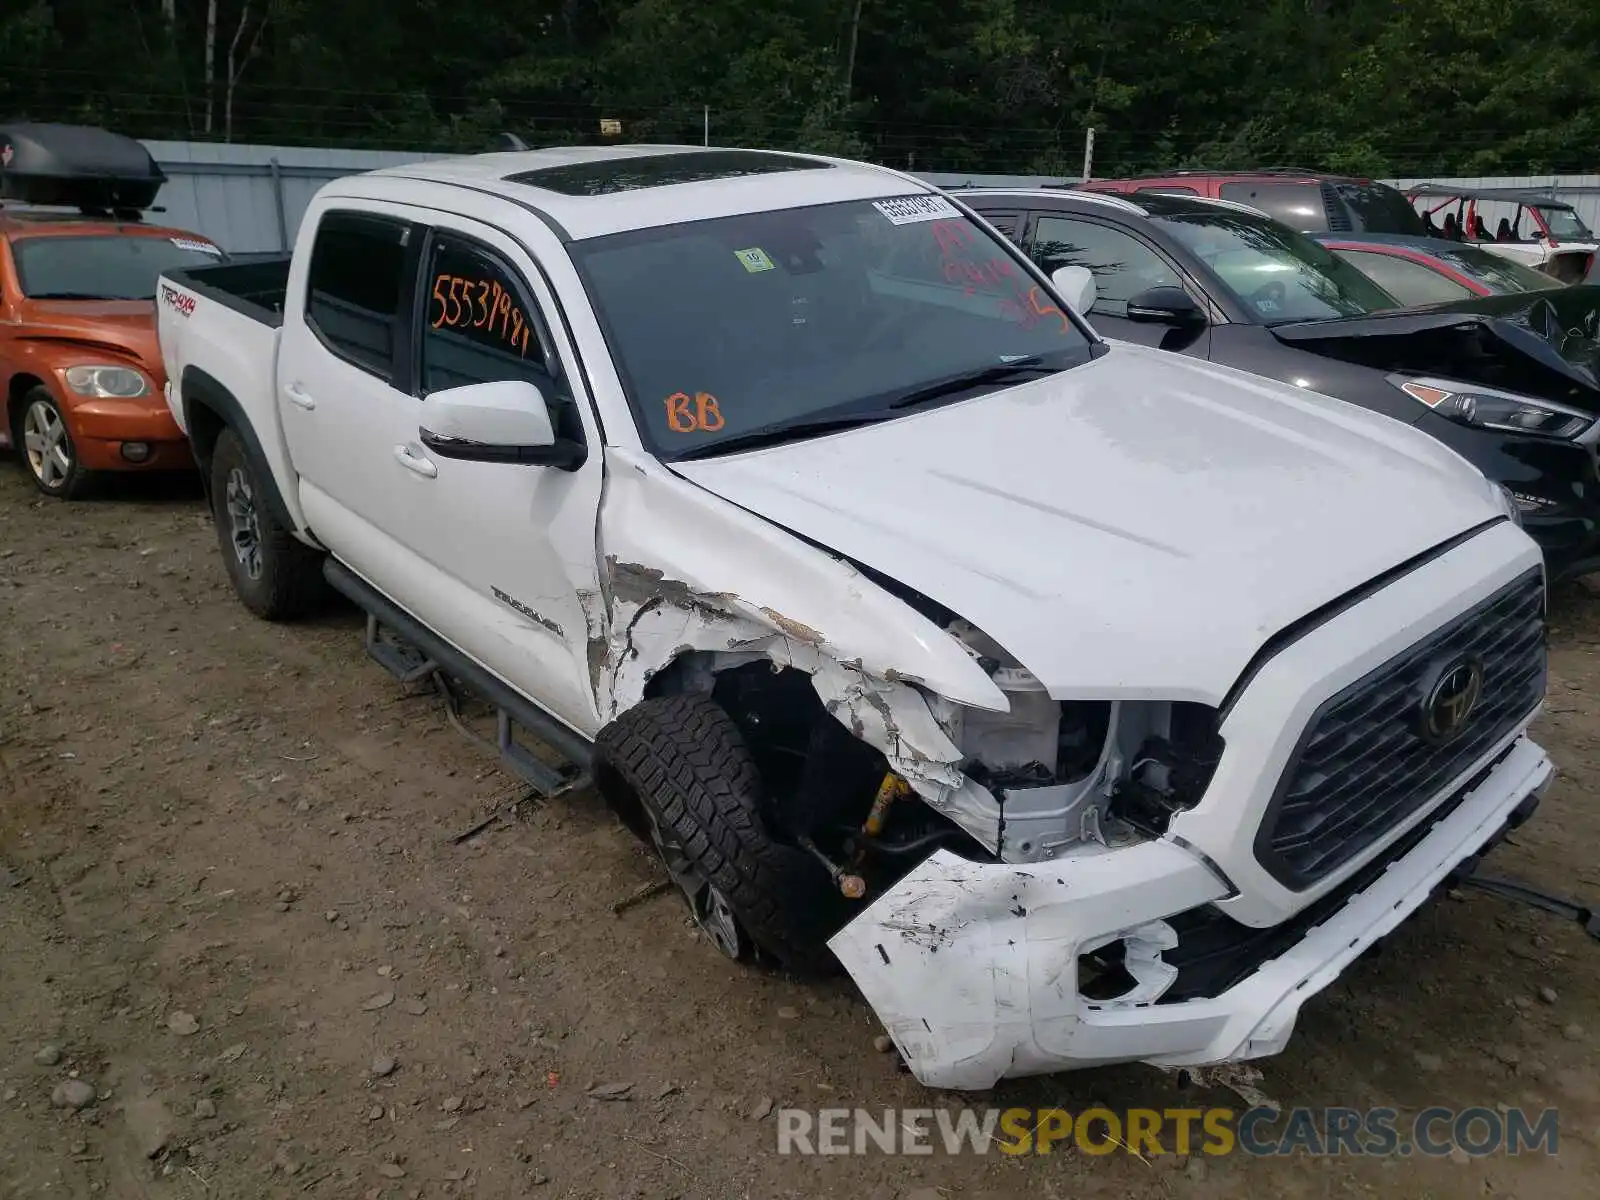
x=236 y=930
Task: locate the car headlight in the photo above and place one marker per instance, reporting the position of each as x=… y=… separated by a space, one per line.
x=1490 y=408
x=107 y=382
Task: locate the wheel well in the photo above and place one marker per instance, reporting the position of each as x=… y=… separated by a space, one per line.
x=19 y=387
x=205 y=427
x=812 y=767
x=776 y=710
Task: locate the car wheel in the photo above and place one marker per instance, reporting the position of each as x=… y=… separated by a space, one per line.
x=276 y=575
x=47 y=449
x=677 y=771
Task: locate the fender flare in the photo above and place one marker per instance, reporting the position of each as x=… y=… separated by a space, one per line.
x=200 y=390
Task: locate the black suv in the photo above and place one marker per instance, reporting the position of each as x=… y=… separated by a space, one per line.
x=1223 y=282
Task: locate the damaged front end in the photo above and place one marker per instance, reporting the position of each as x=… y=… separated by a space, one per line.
x=1541 y=343
x=882 y=753
x=897 y=699
x=1035 y=881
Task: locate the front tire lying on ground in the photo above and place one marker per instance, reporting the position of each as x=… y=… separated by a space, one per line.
x=677 y=772
x=275 y=574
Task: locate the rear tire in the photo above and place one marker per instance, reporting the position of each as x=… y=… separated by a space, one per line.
x=677 y=771
x=44 y=443
x=277 y=576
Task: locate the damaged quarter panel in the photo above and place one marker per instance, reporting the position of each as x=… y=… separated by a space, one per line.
x=687 y=572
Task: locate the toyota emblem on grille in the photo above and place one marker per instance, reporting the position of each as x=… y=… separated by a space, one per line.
x=1453 y=691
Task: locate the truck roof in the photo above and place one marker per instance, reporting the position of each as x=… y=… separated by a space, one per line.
x=591 y=191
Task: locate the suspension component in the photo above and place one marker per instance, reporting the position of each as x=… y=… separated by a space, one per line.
x=850 y=885
x=891 y=789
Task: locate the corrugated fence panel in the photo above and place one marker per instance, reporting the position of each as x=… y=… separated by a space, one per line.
x=251 y=198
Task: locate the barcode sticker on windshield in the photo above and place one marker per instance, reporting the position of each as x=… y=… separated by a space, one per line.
x=197 y=246
x=908 y=210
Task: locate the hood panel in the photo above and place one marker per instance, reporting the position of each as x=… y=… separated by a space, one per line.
x=1538 y=343
x=1135 y=527
x=127 y=325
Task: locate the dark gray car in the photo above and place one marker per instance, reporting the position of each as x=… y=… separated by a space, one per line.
x=1510 y=382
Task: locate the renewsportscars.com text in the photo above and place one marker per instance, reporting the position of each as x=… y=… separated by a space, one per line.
x=1151 y=1132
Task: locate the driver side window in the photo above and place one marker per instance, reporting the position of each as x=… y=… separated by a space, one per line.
x=480 y=325
x=1122 y=265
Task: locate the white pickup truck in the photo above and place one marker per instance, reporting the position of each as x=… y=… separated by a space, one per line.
x=1087 y=703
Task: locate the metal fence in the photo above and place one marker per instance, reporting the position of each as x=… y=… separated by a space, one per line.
x=250 y=199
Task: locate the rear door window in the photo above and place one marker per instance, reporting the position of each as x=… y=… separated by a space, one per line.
x=1297 y=205
x=357 y=278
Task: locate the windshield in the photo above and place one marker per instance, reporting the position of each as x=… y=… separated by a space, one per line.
x=104 y=267
x=1277 y=274
x=795 y=318
x=1500 y=273
x=1567 y=225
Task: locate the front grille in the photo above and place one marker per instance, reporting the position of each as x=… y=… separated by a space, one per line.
x=1363 y=765
x=1215 y=952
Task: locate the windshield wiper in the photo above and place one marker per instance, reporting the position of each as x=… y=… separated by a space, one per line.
x=68 y=296
x=791 y=431
x=1033 y=364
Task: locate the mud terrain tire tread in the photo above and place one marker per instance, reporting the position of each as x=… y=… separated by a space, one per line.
x=684 y=758
x=291 y=583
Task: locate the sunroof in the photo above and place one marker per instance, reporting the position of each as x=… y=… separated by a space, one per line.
x=605 y=176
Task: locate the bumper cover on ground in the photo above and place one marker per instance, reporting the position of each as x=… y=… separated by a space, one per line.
x=972 y=967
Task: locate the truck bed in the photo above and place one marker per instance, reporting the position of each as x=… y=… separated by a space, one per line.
x=255 y=288
x=219 y=328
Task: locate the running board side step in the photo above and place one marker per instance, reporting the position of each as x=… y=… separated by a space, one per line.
x=411 y=652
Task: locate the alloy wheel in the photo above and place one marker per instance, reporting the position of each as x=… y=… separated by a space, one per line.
x=244 y=523
x=45 y=441
x=707 y=904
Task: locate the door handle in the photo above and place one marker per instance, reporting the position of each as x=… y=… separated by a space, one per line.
x=299 y=397
x=412 y=461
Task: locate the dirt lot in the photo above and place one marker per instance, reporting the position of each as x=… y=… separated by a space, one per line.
x=228 y=887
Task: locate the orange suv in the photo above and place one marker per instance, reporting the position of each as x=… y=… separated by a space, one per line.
x=79 y=364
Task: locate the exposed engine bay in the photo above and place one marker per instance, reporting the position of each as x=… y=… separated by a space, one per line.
x=1057 y=774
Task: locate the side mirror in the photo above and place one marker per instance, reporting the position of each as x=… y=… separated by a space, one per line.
x=502 y=422
x=1165 y=305
x=1076 y=285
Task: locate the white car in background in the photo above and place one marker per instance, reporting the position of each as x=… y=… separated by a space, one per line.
x=1087 y=703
